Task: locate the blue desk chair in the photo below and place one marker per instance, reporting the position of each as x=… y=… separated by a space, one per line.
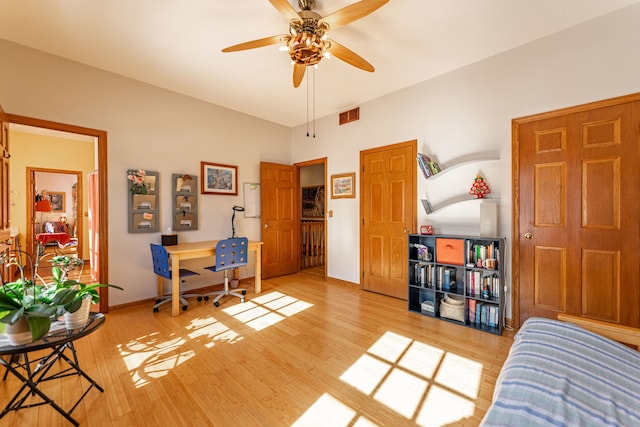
x=230 y=254
x=161 y=268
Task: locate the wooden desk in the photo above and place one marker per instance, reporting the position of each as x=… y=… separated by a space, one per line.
x=191 y=250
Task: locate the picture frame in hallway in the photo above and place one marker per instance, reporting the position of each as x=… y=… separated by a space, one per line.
x=343 y=186
x=218 y=179
x=313 y=201
x=57 y=201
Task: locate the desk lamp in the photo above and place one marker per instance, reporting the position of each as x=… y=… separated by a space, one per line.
x=236 y=208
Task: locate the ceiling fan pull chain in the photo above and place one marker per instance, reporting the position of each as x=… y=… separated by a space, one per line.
x=307 y=107
x=314 y=100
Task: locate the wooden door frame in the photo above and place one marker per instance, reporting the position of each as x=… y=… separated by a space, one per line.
x=103 y=211
x=515 y=185
x=320 y=161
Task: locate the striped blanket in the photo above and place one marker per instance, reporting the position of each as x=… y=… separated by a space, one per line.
x=558 y=374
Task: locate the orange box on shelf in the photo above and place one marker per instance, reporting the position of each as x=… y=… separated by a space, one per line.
x=450 y=251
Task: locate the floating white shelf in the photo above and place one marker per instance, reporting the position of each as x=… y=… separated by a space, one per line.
x=465 y=198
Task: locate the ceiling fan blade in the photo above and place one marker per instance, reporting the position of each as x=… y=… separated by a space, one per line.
x=349 y=57
x=352 y=12
x=257 y=43
x=298 y=74
x=285 y=9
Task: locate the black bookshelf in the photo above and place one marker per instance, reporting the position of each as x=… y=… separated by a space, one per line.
x=459 y=279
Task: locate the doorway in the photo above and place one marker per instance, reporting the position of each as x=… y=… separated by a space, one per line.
x=63 y=192
x=313 y=230
x=99 y=251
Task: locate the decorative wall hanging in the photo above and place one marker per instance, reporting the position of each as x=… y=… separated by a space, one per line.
x=219 y=179
x=143 y=204
x=185 y=201
x=313 y=201
x=479 y=188
x=343 y=186
x=57 y=201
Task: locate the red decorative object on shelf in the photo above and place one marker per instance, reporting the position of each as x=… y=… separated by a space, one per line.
x=479 y=188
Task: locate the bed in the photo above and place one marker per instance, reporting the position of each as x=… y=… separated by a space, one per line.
x=567 y=372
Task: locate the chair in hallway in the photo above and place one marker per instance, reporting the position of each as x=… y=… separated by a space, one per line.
x=161 y=268
x=230 y=254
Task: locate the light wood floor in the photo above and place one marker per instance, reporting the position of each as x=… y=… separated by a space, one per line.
x=304 y=352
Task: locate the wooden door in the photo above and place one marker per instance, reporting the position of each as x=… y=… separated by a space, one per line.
x=388 y=211
x=576 y=231
x=279 y=219
x=4 y=180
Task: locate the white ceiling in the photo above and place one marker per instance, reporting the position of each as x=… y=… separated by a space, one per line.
x=176 y=44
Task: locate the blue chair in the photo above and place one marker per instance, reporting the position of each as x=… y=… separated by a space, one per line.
x=161 y=268
x=230 y=254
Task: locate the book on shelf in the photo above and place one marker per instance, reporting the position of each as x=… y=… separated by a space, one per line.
x=472 y=311
x=423 y=162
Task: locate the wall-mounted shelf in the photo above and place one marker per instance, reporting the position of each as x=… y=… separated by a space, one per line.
x=465 y=160
x=453 y=165
x=143 y=205
x=434 y=208
x=185 y=201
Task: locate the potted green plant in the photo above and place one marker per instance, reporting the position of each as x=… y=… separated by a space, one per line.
x=72 y=298
x=25 y=311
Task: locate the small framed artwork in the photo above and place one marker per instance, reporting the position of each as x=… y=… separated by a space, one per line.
x=343 y=186
x=57 y=201
x=219 y=179
x=313 y=201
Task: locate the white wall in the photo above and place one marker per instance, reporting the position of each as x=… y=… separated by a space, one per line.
x=465 y=111
x=148 y=128
x=470 y=111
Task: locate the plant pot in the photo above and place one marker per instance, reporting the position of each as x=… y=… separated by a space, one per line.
x=19 y=333
x=80 y=317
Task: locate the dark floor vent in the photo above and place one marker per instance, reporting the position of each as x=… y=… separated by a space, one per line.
x=349 y=116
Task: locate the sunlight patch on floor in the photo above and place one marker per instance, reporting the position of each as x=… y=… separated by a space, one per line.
x=418 y=381
x=148 y=358
x=267 y=310
x=213 y=330
x=326 y=411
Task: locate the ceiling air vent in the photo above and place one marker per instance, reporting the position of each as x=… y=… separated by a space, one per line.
x=349 y=116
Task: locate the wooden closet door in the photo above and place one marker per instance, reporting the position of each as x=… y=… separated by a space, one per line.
x=388 y=210
x=578 y=234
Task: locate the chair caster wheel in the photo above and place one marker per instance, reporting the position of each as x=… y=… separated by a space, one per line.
x=206 y=298
x=158 y=300
x=244 y=292
x=199 y=299
x=217 y=304
x=155 y=309
x=184 y=308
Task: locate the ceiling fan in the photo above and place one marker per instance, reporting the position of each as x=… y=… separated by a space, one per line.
x=307 y=41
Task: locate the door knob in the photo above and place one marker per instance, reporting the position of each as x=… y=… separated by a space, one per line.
x=528 y=236
x=405 y=231
x=266 y=226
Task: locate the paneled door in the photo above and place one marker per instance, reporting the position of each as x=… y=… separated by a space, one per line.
x=279 y=219
x=388 y=214
x=577 y=212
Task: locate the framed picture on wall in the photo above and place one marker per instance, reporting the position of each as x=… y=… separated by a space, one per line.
x=313 y=201
x=218 y=179
x=57 y=201
x=343 y=186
